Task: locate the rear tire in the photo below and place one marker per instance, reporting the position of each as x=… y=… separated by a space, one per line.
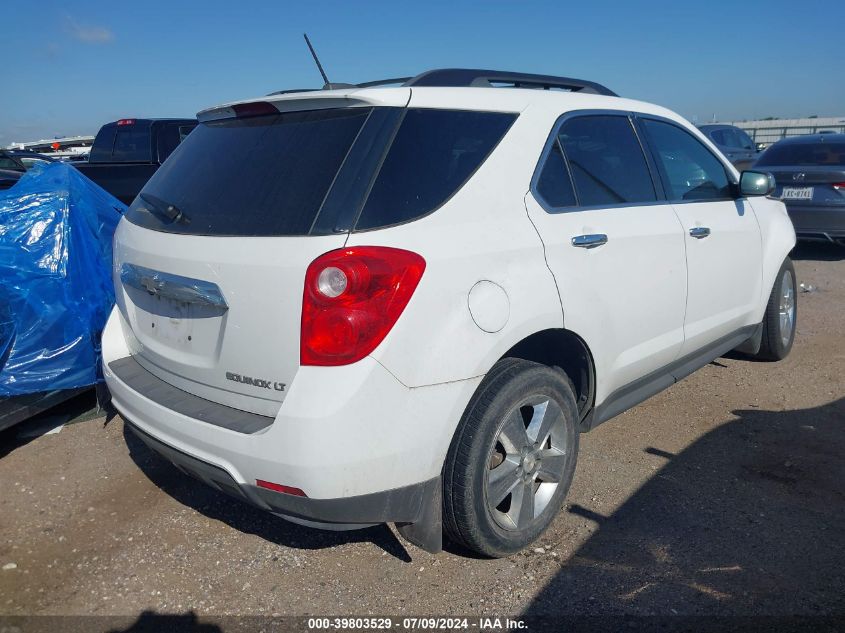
x=781 y=315
x=512 y=459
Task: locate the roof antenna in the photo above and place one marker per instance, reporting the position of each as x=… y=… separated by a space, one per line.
x=317 y=61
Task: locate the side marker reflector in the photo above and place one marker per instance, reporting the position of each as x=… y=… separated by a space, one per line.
x=288 y=490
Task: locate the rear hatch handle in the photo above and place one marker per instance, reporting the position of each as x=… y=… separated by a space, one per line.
x=176 y=287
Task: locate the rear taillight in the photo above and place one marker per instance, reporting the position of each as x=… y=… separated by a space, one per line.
x=839 y=186
x=353 y=297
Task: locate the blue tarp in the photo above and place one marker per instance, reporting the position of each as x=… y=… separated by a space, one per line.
x=56 y=291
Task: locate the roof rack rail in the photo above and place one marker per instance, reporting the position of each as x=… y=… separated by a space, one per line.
x=457 y=77
x=464 y=77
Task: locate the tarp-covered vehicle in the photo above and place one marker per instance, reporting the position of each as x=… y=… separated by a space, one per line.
x=56 y=292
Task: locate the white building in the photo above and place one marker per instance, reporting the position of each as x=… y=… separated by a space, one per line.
x=68 y=146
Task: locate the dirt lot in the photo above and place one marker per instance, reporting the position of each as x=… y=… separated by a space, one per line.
x=723 y=495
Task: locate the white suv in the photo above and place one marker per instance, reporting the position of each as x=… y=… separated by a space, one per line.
x=402 y=304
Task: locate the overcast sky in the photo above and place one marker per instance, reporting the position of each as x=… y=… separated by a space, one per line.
x=70 y=67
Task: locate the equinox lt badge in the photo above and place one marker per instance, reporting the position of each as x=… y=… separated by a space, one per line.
x=255 y=382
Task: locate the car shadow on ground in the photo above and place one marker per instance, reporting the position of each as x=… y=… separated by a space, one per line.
x=151 y=622
x=80 y=408
x=246 y=518
x=813 y=250
x=748 y=520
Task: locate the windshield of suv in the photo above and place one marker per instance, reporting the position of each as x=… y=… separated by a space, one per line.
x=804 y=154
x=317 y=171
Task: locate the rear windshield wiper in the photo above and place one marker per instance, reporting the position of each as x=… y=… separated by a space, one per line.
x=159 y=207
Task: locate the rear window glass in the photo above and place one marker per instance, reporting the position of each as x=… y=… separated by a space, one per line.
x=432 y=156
x=805 y=154
x=132 y=145
x=265 y=175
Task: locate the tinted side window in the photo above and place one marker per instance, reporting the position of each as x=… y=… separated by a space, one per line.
x=9 y=163
x=103 y=144
x=554 y=184
x=132 y=144
x=184 y=130
x=168 y=139
x=689 y=170
x=606 y=161
x=433 y=154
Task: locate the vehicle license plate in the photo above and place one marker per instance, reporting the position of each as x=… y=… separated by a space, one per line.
x=797 y=193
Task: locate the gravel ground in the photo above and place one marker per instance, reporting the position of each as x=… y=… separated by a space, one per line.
x=722 y=495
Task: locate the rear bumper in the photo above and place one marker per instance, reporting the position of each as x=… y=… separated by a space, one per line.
x=341 y=435
x=817 y=221
x=404 y=505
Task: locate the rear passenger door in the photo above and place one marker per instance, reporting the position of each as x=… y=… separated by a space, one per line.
x=723 y=245
x=615 y=249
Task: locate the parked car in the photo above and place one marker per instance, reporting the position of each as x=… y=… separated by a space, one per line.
x=9 y=162
x=810 y=176
x=56 y=230
x=342 y=306
x=734 y=143
x=8 y=177
x=23 y=158
x=127 y=152
x=11 y=169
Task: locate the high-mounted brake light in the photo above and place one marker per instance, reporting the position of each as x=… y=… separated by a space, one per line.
x=352 y=298
x=126 y=122
x=256 y=108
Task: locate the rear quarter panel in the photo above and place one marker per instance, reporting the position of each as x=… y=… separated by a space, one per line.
x=481 y=233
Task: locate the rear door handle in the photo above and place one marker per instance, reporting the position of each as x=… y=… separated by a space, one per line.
x=589 y=241
x=699 y=232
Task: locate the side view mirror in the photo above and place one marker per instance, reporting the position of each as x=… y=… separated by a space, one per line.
x=756 y=183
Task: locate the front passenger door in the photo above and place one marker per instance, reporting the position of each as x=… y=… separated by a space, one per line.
x=723 y=245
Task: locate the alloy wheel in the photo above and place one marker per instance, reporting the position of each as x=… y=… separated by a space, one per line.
x=787 y=307
x=527 y=462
